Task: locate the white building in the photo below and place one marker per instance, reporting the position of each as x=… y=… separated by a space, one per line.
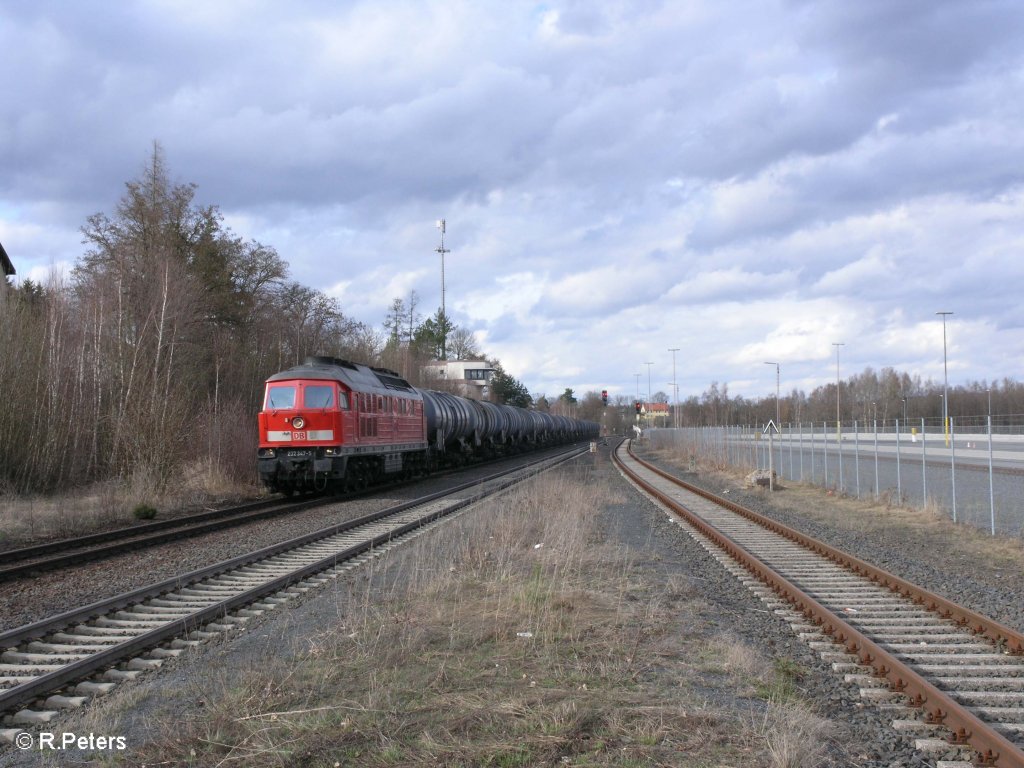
x=6 y=268
x=470 y=377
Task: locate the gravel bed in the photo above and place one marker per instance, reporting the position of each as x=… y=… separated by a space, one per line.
x=921 y=556
x=862 y=735
x=28 y=600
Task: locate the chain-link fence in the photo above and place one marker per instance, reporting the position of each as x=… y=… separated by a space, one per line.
x=968 y=471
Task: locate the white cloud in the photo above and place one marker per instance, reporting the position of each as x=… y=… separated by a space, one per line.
x=746 y=181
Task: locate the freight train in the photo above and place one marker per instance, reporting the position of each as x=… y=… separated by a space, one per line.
x=334 y=425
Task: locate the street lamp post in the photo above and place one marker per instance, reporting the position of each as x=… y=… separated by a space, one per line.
x=637 y=396
x=648 y=365
x=839 y=434
x=675 y=391
x=837 y=345
x=945 y=380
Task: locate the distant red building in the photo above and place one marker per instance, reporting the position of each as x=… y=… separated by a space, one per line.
x=656 y=414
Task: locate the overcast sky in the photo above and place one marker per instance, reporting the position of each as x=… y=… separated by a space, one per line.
x=745 y=181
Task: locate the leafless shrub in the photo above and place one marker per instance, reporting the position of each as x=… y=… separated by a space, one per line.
x=794 y=734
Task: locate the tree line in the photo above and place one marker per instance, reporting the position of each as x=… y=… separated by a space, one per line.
x=146 y=364
x=866 y=397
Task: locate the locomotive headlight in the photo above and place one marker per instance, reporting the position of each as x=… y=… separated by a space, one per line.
x=332 y=451
x=298 y=422
x=266 y=453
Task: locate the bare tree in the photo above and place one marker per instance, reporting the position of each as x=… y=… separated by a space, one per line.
x=462 y=344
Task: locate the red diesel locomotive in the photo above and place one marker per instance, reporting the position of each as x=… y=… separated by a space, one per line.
x=332 y=424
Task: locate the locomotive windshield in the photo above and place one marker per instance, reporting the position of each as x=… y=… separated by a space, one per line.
x=318 y=397
x=280 y=396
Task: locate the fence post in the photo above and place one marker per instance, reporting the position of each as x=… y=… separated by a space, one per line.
x=952 y=463
x=991 y=490
x=875 y=425
x=899 y=479
x=800 y=430
x=839 y=449
x=792 y=474
x=824 y=430
x=924 y=467
x=856 y=457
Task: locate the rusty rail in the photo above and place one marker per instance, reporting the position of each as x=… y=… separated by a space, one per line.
x=991 y=748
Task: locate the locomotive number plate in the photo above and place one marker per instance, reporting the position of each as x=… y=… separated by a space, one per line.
x=299 y=453
x=298 y=435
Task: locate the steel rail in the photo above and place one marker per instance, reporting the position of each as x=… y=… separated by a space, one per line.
x=161 y=533
x=38 y=550
x=967 y=729
x=145 y=535
x=998 y=633
x=56 y=679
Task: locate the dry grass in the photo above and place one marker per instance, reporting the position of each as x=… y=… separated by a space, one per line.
x=25 y=520
x=513 y=637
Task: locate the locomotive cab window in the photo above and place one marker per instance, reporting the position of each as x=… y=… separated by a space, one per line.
x=318 y=396
x=280 y=397
x=342 y=401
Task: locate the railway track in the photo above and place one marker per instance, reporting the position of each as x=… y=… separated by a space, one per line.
x=54 y=555
x=61 y=662
x=953 y=677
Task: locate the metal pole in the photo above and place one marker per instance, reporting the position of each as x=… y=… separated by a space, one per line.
x=839 y=435
x=899 y=478
x=675 y=390
x=444 y=315
x=924 y=467
x=945 y=380
x=792 y=472
x=824 y=432
x=991 y=492
x=856 y=455
x=952 y=464
x=813 y=474
x=800 y=427
x=778 y=417
x=876 y=457
x=648 y=365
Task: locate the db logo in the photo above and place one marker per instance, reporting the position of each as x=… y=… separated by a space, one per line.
x=298 y=435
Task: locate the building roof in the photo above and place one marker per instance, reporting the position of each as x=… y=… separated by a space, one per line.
x=357 y=377
x=5 y=262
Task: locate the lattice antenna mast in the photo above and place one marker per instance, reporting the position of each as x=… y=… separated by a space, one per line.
x=444 y=315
